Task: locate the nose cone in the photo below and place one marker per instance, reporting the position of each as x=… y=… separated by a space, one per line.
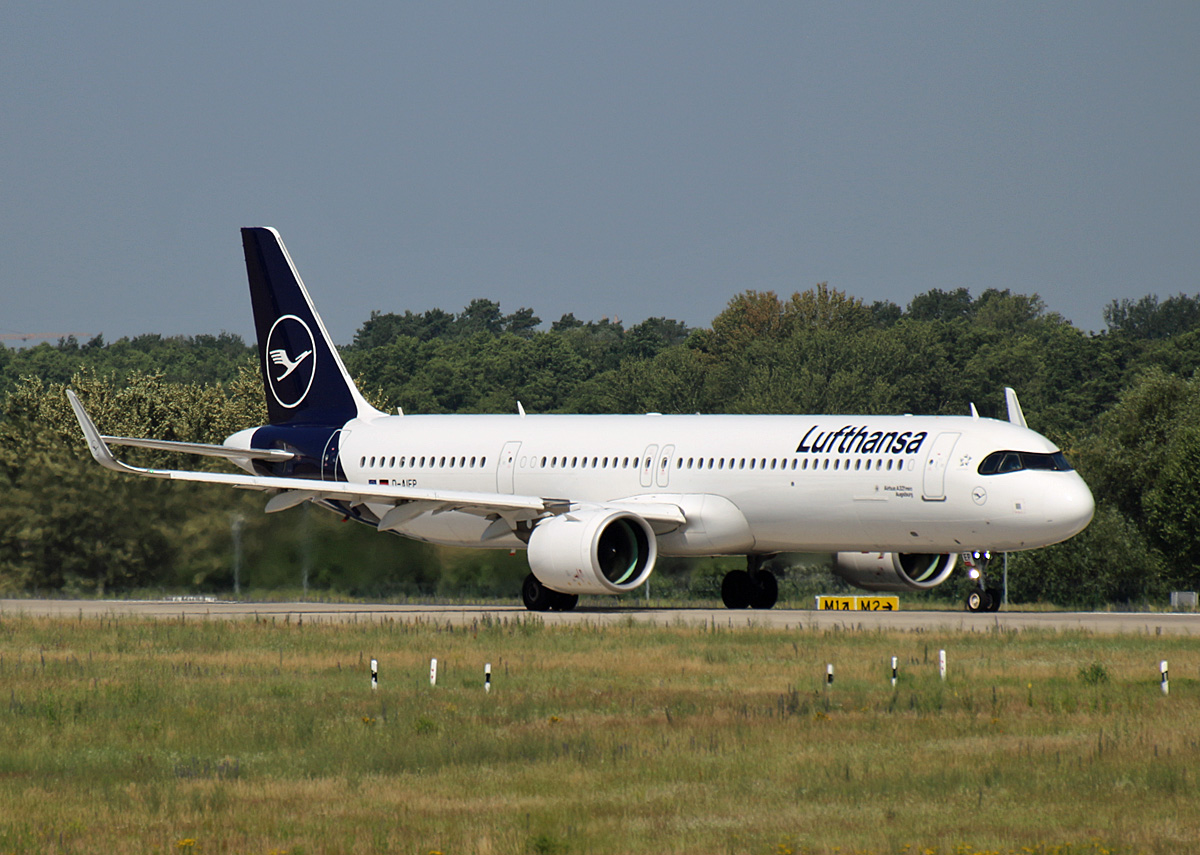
x=1069 y=507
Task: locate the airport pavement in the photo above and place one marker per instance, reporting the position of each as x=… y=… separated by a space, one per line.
x=1150 y=623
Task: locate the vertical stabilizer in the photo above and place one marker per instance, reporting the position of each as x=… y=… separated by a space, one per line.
x=303 y=377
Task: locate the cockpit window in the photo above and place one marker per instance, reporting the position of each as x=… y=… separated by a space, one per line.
x=1000 y=462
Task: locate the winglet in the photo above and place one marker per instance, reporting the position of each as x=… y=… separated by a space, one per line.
x=95 y=441
x=1014 y=407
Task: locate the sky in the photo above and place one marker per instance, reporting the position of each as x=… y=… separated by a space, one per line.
x=617 y=159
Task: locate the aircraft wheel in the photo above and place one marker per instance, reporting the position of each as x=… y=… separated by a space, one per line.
x=979 y=601
x=563 y=602
x=537 y=597
x=997 y=595
x=736 y=589
x=766 y=590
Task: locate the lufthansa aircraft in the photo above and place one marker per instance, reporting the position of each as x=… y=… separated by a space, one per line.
x=596 y=499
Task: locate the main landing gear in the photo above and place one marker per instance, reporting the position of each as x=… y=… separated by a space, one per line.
x=539 y=598
x=753 y=587
x=982 y=598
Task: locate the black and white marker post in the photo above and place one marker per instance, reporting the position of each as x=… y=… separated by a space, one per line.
x=487 y=677
x=374 y=674
x=1166 y=684
x=894 y=672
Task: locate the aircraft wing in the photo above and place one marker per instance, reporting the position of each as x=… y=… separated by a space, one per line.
x=229 y=453
x=407 y=502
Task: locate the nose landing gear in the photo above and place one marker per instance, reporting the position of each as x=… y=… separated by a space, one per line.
x=982 y=598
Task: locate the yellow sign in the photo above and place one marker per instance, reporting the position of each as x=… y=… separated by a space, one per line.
x=859 y=604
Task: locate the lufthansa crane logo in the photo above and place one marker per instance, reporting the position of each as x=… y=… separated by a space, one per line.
x=291 y=360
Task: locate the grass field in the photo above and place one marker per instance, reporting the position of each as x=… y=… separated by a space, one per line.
x=132 y=736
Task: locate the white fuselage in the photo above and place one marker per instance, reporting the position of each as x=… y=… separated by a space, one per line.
x=746 y=484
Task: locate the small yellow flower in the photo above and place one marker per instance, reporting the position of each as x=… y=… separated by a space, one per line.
x=555 y=719
x=186 y=843
x=367 y=720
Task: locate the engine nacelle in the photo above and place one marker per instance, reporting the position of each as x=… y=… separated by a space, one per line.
x=894 y=571
x=592 y=552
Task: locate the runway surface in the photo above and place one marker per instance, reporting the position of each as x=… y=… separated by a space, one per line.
x=197 y=609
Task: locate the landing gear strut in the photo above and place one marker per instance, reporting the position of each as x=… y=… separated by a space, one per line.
x=753 y=587
x=982 y=598
x=539 y=598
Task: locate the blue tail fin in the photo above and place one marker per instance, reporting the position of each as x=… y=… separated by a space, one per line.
x=303 y=376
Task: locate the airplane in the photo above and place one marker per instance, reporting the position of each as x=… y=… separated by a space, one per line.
x=595 y=499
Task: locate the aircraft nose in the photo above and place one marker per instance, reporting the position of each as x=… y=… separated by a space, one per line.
x=1071 y=507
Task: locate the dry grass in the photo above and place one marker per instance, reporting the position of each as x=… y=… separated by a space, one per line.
x=131 y=736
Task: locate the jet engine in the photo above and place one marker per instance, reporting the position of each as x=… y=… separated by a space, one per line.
x=894 y=571
x=604 y=551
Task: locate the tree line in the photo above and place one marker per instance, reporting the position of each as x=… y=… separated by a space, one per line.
x=1123 y=403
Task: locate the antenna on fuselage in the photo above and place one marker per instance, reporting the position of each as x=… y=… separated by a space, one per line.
x=974 y=412
x=520 y=410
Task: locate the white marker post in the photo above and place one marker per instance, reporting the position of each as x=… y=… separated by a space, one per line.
x=1166 y=684
x=942 y=663
x=374 y=674
x=487 y=677
x=433 y=672
x=893 y=672
x=828 y=675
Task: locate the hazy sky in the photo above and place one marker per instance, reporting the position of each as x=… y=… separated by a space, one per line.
x=631 y=159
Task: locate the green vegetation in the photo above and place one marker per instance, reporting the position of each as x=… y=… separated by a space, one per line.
x=124 y=735
x=1124 y=404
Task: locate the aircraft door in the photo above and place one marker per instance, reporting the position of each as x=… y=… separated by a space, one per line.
x=329 y=460
x=934 y=487
x=646 y=466
x=507 y=470
x=664 y=465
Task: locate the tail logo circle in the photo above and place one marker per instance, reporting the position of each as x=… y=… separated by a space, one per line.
x=291 y=360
